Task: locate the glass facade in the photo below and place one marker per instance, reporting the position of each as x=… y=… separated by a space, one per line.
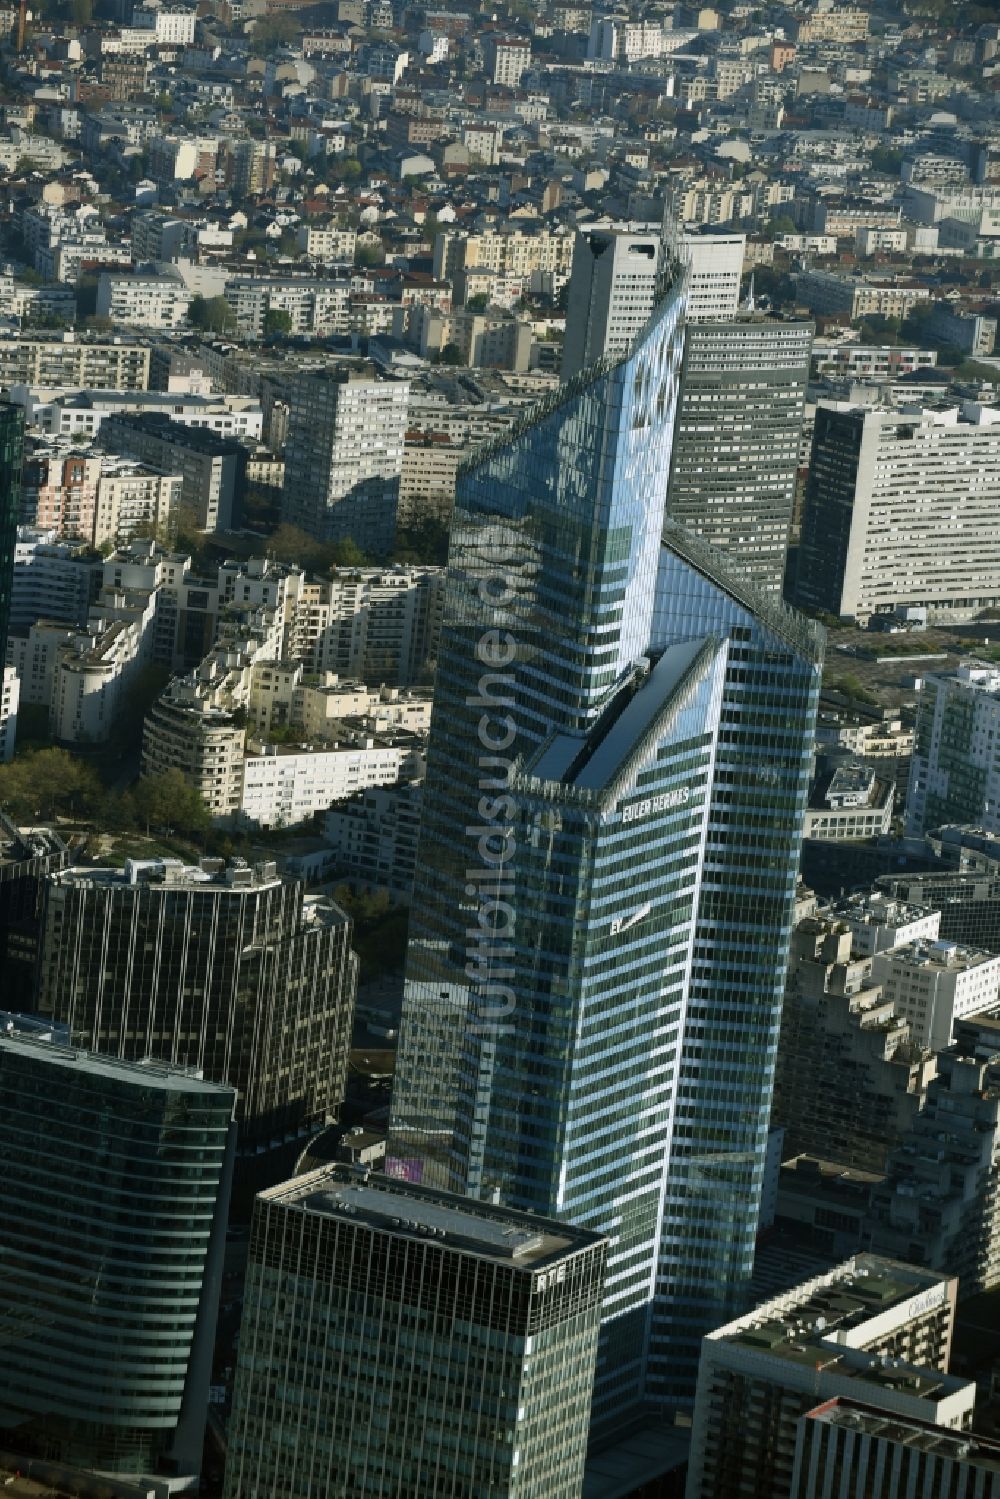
x=590 y=677
x=236 y=975
x=739 y=427
x=742 y=930
x=113 y=1213
x=400 y=1341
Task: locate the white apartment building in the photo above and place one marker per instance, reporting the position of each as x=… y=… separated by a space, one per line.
x=27 y=304
x=872 y=1330
x=373 y=836
x=344 y=456
x=143 y=299
x=955 y=768
x=715 y=269
x=132 y=498
x=282 y=788
x=427 y=478
x=901 y=509
x=327 y=242
x=853 y=804
x=51 y=580
x=869 y=361
x=10 y=693
x=380 y=625
x=934 y=984
x=878 y=923
x=509 y=56
x=66 y=359
x=80 y=413
x=506 y=253
x=828 y=292
x=169 y=24
x=184 y=731
x=320 y=308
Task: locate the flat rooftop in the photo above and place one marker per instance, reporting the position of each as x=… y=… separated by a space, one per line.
x=461 y=1223
x=978 y=1453
x=174 y=874
x=147 y=1073
x=823 y=1322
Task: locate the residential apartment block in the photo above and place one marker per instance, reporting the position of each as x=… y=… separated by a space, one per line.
x=873 y=1330
x=900 y=509
x=954 y=774
x=344 y=457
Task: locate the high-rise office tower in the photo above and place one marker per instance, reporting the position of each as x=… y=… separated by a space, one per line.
x=736 y=448
x=397 y=1340
x=113 y=1203
x=742 y=390
x=344 y=456
x=11 y=451
x=228 y=969
x=617 y=277
x=27 y=857
x=617 y=773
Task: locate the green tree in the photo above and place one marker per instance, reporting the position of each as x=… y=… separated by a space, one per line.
x=273 y=32
x=277 y=321
x=44 y=783
x=426 y=542
x=478 y=303
x=347 y=553
x=167 y=803
x=211 y=314
x=450 y=354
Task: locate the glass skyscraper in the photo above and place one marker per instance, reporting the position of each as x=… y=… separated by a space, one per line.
x=113 y=1201
x=401 y=1341
x=616 y=778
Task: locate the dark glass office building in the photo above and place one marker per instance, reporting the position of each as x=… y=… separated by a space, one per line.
x=113 y=1200
x=617 y=773
x=229 y=969
x=402 y=1341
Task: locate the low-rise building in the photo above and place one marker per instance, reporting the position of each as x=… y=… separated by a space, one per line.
x=851 y=803
x=283 y=787
x=873 y=1330
x=939 y=1204
x=934 y=984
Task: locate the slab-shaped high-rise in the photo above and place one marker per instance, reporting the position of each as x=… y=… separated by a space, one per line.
x=616 y=780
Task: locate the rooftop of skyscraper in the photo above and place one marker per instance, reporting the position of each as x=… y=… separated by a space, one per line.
x=148 y=1072
x=410 y=1211
x=236 y=875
